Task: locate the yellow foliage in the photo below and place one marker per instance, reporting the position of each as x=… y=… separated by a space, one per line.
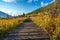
x=8 y=24
x=45 y=20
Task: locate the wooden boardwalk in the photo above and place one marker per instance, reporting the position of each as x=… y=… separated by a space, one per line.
x=27 y=31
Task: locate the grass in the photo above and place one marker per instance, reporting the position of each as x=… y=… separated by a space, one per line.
x=51 y=25
x=8 y=24
x=57 y=30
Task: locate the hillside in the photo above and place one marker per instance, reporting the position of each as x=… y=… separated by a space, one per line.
x=4 y=15
x=51 y=7
x=42 y=9
x=48 y=18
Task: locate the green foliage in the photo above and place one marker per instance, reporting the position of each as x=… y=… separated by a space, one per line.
x=23 y=14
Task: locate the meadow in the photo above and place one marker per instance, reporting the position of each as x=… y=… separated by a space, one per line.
x=50 y=24
x=8 y=24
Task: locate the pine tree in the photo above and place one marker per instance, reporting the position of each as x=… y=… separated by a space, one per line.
x=23 y=14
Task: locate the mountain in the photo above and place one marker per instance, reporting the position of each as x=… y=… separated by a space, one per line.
x=42 y=9
x=4 y=15
x=55 y=6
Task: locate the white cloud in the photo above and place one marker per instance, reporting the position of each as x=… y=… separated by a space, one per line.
x=52 y=1
x=29 y=1
x=10 y=12
x=9 y=0
x=46 y=4
x=43 y=4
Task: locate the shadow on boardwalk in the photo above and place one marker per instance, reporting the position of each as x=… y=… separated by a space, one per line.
x=27 y=31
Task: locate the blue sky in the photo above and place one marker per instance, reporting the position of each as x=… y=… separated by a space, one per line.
x=17 y=7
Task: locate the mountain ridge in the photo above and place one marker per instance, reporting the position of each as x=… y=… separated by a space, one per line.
x=49 y=8
x=4 y=15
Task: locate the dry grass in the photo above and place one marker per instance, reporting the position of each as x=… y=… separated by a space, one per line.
x=8 y=24
x=51 y=25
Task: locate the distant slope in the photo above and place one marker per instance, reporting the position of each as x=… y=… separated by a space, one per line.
x=4 y=15
x=46 y=8
x=42 y=9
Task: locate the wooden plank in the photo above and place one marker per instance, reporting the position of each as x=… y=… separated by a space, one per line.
x=27 y=30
